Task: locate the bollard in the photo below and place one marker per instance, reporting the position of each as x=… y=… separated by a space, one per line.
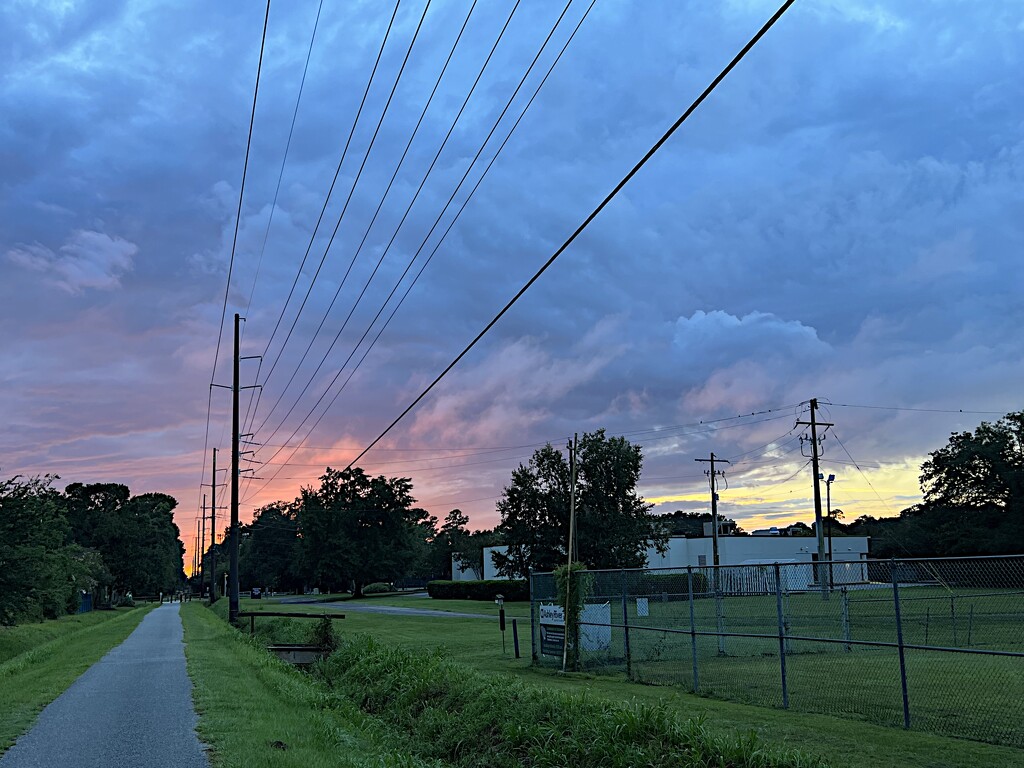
x=515 y=637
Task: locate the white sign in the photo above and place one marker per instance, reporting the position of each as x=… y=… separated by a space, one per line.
x=552 y=614
x=596 y=638
x=643 y=608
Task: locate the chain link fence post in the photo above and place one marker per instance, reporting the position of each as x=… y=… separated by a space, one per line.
x=899 y=643
x=533 y=622
x=625 y=626
x=719 y=613
x=693 y=631
x=782 y=636
x=846 y=619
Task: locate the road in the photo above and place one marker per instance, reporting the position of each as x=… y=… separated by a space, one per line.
x=393 y=609
x=133 y=708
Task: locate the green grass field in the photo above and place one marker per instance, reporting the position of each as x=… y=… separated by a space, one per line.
x=958 y=694
x=39 y=661
x=845 y=741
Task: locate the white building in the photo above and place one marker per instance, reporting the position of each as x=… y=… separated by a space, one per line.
x=469 y=574
x=741 y=550
x=760 y=553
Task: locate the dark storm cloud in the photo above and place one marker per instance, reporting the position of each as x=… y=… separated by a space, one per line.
x=842 y=219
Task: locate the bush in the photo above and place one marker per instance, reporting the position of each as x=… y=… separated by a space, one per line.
x=323 y=635
x=377 y=588
x=463 y=718
x=512 y=590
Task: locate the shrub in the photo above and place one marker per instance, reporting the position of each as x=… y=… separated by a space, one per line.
x=512 y=590
x=377 y=588
x=323 y=635
x=466 y=719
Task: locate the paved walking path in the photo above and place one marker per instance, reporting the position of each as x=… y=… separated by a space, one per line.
x=131 y=709
x=395 y=610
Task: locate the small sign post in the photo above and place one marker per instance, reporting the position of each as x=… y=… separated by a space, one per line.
x=500 y=601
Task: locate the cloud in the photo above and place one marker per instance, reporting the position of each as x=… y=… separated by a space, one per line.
x=86 y=260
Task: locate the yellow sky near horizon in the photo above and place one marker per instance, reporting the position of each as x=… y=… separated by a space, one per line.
x=880 y=491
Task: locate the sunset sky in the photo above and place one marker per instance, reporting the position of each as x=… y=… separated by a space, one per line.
x=843 y=218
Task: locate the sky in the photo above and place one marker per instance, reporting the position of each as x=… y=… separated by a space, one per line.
x=842 y=219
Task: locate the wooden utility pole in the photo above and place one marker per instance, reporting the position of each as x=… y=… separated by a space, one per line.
x=202 y=551
x=235 y=471
x=572 y=531
x=213 y=531
x=818 y=527
x=713 y=476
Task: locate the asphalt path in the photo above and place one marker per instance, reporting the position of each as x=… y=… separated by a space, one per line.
x=133 y=708
x=396 y=610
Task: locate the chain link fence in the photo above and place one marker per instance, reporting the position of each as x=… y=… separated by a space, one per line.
x=929 y=644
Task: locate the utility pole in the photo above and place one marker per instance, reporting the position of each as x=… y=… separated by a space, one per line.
x=814 y=424
x=713 y=476
x=572 y=530
x=202 y=551
x=235 y=471
x=213 y=532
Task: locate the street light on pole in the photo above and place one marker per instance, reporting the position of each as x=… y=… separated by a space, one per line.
x=828 y=516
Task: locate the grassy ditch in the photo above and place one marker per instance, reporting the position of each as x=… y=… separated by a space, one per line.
x=39 y=661
x=257 y=712
x=476 y=643
x=446 y=714
x=470 y=720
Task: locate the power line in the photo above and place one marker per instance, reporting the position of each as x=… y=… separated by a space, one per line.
x=355 y=256
x=277 y=188
x=444 y=235
x=334 y=181
x=234 y=240
x=586 y=222
x=918 y=410
x=437 y=220
x=348 y=199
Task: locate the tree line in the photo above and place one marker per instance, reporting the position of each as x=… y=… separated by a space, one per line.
x=355 y=529
x=98 y=539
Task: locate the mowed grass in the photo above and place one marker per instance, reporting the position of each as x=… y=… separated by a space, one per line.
x=39 y=661
x=952 y=693
x=849 y=742
x=257 y=712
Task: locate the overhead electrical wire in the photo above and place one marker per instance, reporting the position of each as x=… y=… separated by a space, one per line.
x=334 y=181
x=586 y=222
x=419 y=250
x=234 y=240
x=277 y=191
x=351 y=193
x=394 y=175
x=444 y=235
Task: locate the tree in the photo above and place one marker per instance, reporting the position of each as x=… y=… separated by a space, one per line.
x=973 y=491
x=614 y=527
x=269 y=546
x=135 y=535
x=979 y=469
x=356 y=529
